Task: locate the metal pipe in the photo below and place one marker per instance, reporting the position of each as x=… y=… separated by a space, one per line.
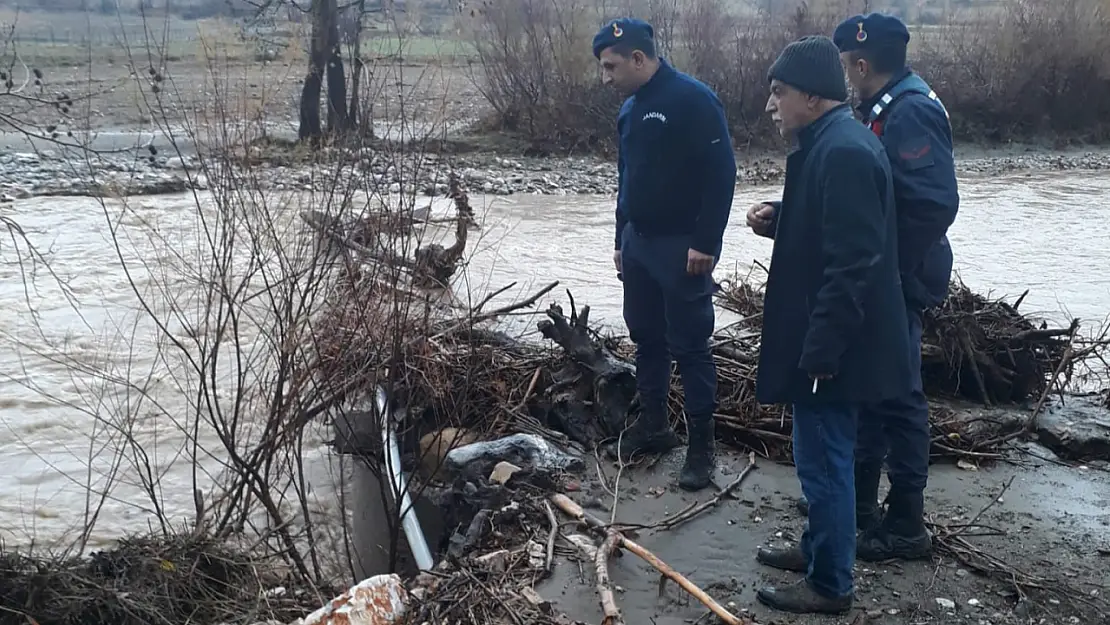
x=409 y=521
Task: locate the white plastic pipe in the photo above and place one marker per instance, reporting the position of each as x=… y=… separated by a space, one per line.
x=409 y=522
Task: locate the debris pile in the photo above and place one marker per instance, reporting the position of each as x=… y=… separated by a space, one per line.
x=987 y=351
x=182 y=578
x=491 y=384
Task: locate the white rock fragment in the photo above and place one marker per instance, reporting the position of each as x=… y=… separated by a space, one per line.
x=379 y=600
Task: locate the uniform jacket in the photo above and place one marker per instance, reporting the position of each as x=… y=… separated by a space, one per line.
x=677 y=170
x=914 y=128
x=833 y=303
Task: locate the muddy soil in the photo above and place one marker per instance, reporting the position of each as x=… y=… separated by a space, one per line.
x=1056 y=521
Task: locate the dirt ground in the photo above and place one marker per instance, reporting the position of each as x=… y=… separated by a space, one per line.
x=1054 y=521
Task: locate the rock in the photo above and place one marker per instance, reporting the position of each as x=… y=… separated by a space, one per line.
x=497 y=561
x=1079 y=430
x=503 y=472
x=946 y=604
x=523 y=450
x=379 y=600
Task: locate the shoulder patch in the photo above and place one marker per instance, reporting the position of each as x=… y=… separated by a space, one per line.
x=915 y=152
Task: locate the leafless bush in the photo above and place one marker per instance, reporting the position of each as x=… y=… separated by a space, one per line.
x=212 y=406
x=1022 y=70
x=1028 y=69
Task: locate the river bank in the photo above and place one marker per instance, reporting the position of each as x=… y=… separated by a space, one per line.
x=119 y=167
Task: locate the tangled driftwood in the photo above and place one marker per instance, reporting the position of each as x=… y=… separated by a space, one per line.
x=375 y=237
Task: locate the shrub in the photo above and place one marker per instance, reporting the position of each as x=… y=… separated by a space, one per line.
x=1019 y=70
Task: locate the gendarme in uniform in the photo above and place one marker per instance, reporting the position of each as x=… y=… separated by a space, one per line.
x=913 y=126
x=677 y=175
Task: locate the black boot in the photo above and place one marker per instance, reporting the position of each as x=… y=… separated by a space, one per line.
x=697 y=471
x=901 y=535
x=649 y=434
x=868 y=513
x=800 y=598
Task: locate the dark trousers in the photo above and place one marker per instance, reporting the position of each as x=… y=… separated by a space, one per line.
x=897 y=431
x=824 y=444
x=668 y=313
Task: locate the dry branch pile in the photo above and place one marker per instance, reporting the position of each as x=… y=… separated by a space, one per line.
x=454 y=373
x=986 y=350
x=148 y=580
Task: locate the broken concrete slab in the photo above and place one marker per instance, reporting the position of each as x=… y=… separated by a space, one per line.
x=1077 y=429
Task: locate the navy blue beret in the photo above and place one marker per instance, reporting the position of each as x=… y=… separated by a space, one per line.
x=873 y=30
x=622 y=30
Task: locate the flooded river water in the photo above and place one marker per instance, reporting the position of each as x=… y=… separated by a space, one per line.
x=1044 y=232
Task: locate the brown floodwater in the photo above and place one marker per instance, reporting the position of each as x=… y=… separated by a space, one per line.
x=1044 y=232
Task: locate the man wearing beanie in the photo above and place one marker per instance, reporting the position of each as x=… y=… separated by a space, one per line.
x=834 y=321
x=677 y=174
x=905 y=113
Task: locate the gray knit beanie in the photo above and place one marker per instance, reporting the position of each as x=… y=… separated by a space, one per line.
x=812 y=65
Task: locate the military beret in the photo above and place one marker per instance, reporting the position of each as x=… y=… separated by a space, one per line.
x=622 y=30
x=873 y=30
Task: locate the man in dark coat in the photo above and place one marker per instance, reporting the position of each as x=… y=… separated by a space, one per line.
x=834 y=318
x=912 y=123
x=677 y=175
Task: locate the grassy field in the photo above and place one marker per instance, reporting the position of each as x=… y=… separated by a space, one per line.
x=73 y=39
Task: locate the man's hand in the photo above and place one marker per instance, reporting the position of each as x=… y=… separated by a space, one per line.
x=617 y=261
x=761 y=219
x=698 y=263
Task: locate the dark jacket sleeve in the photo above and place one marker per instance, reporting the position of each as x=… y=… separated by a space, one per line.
x=918 y=143
x=712 y=148
x=621 y=213
x=622 y=219
x=776 y=206
x=853 y=236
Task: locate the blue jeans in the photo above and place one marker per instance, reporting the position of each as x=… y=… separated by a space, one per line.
x=897 y=430
x=669 y=313
x=824 y=446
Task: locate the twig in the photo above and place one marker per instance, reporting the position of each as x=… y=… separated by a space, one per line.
x=690 y=513
x=604 y=586
x=572 y=509
x=1031 y=424
x=550 y=555
x=989 y=505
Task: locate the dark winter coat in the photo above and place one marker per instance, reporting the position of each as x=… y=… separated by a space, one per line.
x=833 y=303
x=677 y=170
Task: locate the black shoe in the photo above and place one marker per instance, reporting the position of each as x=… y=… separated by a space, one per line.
x=644 y=437
x=697 y=471
x=787 y=559
x=880 y=545
x=801 y=599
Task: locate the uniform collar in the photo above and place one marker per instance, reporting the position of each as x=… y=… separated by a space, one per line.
x=807 y=136
x=660 y=77
x=865 y=106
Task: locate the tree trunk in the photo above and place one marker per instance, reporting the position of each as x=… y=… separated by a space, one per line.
x=356 y=71
x=338 y=121
x=310 y=128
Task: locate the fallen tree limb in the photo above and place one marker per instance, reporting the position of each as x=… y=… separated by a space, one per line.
x=575 y=511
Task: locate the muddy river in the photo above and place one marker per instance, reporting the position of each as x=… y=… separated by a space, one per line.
x=67 y=352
